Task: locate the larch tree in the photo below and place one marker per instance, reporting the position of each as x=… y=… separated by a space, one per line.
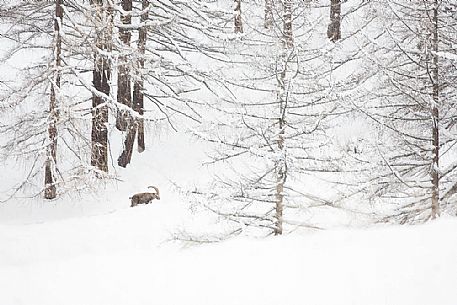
x=125 y=121
x=30 y=101
x=171 y=35
x=124 y=94
x=282 y=96
x=101 y=82
x=51 y=161
x=413 y=105
x=165 y=78
x=138 y=85
x=41 y=108
x=269 y=130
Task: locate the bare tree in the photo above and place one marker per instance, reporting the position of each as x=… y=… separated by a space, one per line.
x=282 y=96
x=101 y=82
x=48 y=82
x=138 y=86
x=124 y=94
x=273 y=127
x=51 y=161
x=125 y=120
x=413 y=105
x=433 y=70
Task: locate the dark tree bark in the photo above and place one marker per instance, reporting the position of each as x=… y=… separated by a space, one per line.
x=268 y=23
x=129 y=141
x=101 y=77
x=125 y=120
x=138 y=99
x=238 y=21
x=288 y=39
x=124 y=89
x=101 y=82
x=334 y=28
x=138 y=86
x=435 y=114
x=50 y=165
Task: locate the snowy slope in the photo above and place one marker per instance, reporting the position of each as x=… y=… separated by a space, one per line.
x=96 y=250
x=169 y=160
x=120 y=258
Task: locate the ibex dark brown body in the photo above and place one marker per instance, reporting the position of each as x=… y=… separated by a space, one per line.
x=145 y=198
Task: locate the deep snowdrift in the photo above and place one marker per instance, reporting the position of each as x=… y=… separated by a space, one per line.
x=120 y=258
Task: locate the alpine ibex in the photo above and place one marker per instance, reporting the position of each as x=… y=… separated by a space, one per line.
x=145 y=198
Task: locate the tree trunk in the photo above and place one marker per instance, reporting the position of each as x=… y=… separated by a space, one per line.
x=334 y=28
x=125 y=120
x=101 y=81
x=129 y=141
x=138 y=86
x=124 y=90
x=288 y=39
x=435 y=115
x=281 y=172
x=50 y=165
x=238 y=21
x=138 y=107
x=268 y=23
x=281 y=163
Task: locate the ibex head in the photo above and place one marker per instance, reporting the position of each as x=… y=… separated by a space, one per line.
x=157 y=191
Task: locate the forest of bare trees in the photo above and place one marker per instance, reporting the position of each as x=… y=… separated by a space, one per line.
x=270 y=86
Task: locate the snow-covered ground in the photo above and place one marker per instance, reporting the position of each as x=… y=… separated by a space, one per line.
x=122 y=257
x=96 y=250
